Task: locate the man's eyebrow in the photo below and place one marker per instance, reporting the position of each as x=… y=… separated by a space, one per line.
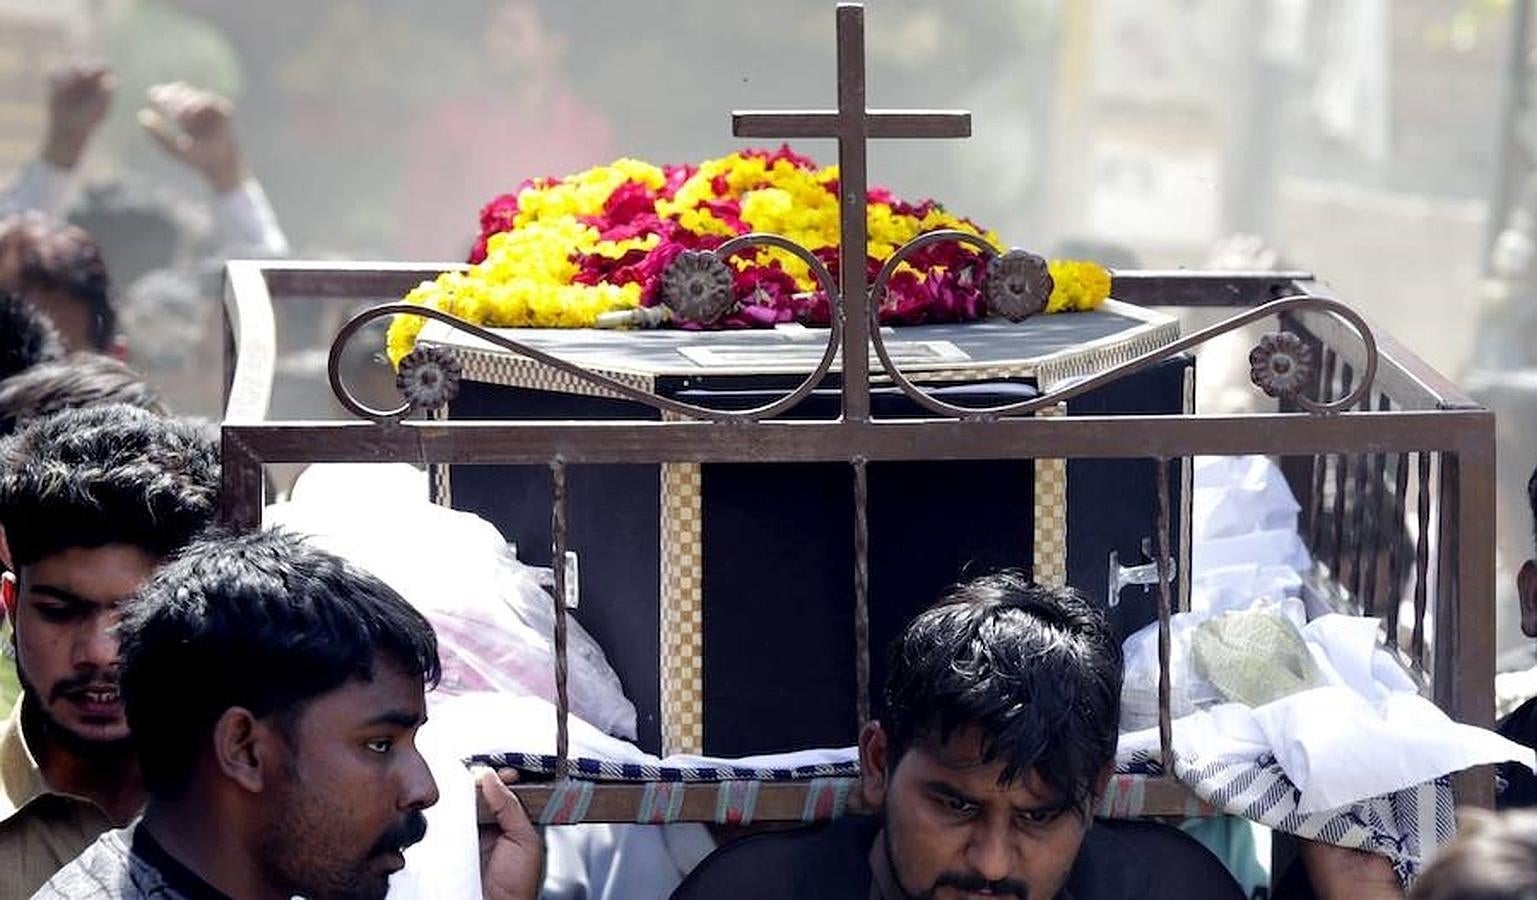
x=58 y=593
x=397 y=717
x=1056 y=808
x=935 y=786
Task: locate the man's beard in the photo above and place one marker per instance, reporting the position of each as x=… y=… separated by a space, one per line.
x=39 y=723
x=293 y=846
x=1006 y=887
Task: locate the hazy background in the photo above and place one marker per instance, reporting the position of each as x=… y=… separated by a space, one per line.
x=1359 y=139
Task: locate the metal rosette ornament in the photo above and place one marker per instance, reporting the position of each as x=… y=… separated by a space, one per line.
x=1281 y=365
x=428 y=378
x=1018 y=284
x=696 y=287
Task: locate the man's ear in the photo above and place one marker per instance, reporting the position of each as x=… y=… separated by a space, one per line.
x=8 y=592
x=246 y=749
x=5 y=551
x=874 y=765
x=1526 y=589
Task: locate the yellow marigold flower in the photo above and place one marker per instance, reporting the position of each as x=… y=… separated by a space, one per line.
x=766 y=209
x=702 y=221
x=1080 y=285
x=617 y=249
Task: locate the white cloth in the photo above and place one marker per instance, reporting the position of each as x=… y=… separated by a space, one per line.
x=246 y=224
x=444 y=865
x=41 y=186
x=1238 y=495
x=584 y=862
x=1244 y=534
x=494 y=622
x=621 y=862
x=1368 y=733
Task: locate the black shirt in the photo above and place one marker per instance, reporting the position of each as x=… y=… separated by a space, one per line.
x=1119 y=860
x=177 y=876
x=1516 y=785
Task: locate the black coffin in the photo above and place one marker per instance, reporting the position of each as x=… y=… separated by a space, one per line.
x=777 y=559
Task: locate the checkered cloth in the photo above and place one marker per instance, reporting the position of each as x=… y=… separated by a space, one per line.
x=612 y=770
x=1406 y=826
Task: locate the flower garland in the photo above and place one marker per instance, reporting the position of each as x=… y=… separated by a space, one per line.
x=561 y=253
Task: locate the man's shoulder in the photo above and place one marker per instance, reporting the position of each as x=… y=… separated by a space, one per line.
x=1520 y=725
x=20 y=780
x=107 y=870
x=1122 y=859
x=829 y=861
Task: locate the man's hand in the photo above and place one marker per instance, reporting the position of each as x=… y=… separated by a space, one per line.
x=511 y=853
x=1339 y=873
x=196 y=127
x=79 y=95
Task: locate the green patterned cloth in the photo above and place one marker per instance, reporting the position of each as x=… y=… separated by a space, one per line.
x=1254 y=657
x=10 y=686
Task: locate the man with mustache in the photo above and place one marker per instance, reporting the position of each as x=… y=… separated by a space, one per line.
x=91 y=500
x=997 y=738
x=274 y=693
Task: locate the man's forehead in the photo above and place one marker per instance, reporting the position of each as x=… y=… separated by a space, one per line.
x=962 y=760
x=388 y=696
x=96 y=574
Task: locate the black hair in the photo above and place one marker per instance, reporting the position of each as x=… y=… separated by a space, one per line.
x=1531 y=500
x=78 y=380
x=27 y=338
x=1494 y=857
x=262 y=621
x=104 y=475
x=53 y=256
x=138 y=229
x=1036 y=669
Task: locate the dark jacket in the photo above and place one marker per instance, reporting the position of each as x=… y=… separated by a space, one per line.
x=1119 y=860
x=1516 y=785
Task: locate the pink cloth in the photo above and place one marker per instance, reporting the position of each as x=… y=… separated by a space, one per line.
x=469 y=150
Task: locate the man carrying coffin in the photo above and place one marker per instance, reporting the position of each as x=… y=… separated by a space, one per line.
x=91 y=500
x=997 y=738
x=286 y=765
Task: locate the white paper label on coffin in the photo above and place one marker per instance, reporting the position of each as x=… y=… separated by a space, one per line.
x=756 y=357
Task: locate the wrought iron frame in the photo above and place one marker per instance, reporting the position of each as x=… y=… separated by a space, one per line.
x=1450 y=436
x=1398 y=407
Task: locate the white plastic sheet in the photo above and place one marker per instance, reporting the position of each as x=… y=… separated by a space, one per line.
x=495 y=624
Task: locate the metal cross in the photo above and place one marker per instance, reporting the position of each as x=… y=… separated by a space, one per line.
x=852 y=124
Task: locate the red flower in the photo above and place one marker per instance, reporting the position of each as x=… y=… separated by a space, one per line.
x=640 y=226
x=784 y=152
x=676 y=176
x=495 y=217
x=728 y=211
x=629 y=201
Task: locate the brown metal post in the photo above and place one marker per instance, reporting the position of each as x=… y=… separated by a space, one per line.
x=559 y=543
x=240 y=483
x=852 y=238
x=1465 y=616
